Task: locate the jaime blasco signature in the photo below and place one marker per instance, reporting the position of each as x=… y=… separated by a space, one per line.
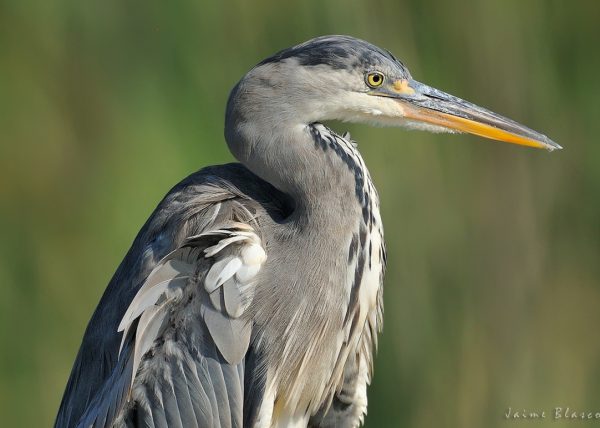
x=555 y=413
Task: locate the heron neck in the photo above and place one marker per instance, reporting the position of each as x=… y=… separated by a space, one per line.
x=322 y=172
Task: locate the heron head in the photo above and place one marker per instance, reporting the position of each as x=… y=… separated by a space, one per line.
x=343 y=78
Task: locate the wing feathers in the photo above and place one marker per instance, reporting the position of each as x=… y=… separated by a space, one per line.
x=221 y=271
x=169 y=324
x=232 y=336
x=235 y=394
x=201 y=402
x=182 y=392
x=225 y=262
x=238 y=257
x=233 y=298
x=221 y=392
x=157 y=408
x=149 y=325
x=171 y=405
x=211 y=251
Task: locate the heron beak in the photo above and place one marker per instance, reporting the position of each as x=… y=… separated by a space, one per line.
x=422 y=103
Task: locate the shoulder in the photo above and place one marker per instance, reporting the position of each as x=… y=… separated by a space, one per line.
x=230 y=184
x=203 y=202
x=206 y=198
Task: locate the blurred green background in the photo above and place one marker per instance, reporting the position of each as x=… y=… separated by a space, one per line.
x=493 y=287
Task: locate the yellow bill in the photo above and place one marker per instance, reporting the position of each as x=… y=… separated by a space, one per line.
x=424 y=104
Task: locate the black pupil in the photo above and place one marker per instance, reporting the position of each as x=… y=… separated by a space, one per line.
x=376 y=78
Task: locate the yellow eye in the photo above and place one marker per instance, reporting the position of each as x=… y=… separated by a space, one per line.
x=375 y=79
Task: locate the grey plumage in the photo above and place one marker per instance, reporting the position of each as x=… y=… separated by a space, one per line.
x=252 y=297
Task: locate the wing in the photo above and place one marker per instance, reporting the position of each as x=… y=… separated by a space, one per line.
x=174 y=348
x=188 y=336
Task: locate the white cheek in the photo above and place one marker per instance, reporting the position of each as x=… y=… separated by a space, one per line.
x=360 y=107
x=388 y=108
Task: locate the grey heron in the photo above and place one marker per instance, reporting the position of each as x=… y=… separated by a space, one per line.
x=252 y=296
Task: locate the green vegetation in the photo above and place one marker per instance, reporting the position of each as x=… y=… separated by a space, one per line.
x=493 y=286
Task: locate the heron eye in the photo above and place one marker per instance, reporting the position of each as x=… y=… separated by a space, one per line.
x=374 y=79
